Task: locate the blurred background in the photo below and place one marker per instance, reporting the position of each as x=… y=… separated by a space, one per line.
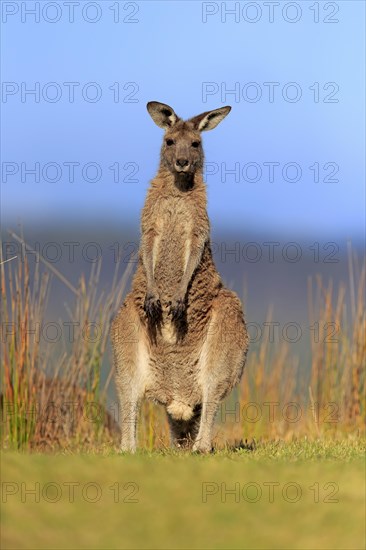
x=284 y=171
x=296 y=88
x=286 y=201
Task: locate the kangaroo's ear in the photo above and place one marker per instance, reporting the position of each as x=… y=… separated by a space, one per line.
x=210 y=119
x=163 y=115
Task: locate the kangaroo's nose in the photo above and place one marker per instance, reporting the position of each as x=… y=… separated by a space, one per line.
x=181 y=162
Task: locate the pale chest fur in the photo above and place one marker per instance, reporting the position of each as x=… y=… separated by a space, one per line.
x=173 y=230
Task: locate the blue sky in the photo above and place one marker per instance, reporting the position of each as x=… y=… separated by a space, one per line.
x=168 y=54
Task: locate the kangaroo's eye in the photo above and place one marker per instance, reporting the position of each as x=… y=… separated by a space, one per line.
x=195 y=144
x=169 y=142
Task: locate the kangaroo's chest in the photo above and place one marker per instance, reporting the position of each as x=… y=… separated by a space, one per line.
x=172 y=243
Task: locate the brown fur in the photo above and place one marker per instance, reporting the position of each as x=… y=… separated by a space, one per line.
x=180 y=336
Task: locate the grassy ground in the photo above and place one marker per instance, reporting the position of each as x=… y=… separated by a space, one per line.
x=299 y=494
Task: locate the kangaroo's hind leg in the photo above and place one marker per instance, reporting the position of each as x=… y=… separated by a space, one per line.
x=221 y=361
x=131 y=361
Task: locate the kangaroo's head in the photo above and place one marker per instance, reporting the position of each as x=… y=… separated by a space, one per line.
x=182 y=151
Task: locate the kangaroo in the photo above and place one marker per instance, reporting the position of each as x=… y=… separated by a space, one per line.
x=180 y=337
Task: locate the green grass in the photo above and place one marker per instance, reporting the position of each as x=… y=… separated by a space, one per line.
x=181 y=502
